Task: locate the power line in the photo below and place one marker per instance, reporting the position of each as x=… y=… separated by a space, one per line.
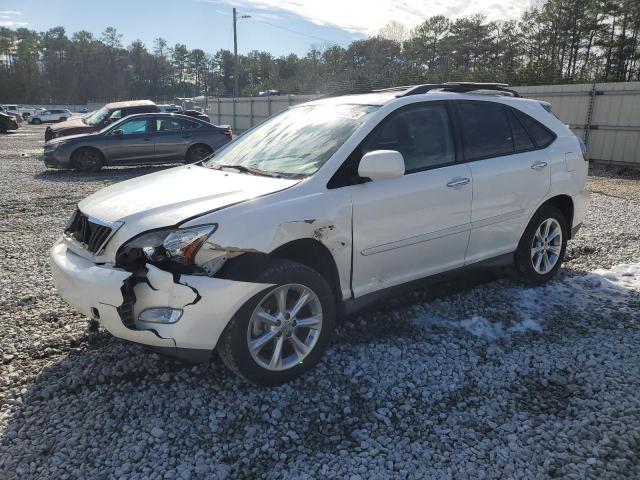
x=295 y=31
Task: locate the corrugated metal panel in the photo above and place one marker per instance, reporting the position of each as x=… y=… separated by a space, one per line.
x=615 y=120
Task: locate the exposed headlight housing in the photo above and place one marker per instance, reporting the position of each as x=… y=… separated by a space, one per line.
x=172 y=249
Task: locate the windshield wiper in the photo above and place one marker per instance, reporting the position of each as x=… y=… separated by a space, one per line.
x=240 y=168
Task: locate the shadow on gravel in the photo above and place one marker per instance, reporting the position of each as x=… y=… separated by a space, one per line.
x=109 y=173
x=377 y=314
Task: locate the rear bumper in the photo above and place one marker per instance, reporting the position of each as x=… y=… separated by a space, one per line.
x=208 y=304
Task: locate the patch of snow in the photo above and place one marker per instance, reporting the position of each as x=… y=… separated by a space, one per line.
x=531 y=305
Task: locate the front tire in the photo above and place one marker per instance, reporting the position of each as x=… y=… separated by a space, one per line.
x=282 y=332
x=36 y=121
x=87 y=160
x=542 y=246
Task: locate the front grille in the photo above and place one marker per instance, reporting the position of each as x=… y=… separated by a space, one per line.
x=91 y=234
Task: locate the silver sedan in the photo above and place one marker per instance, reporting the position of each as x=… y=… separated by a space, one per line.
x=138 y=139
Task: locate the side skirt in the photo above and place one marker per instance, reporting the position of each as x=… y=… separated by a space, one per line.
x=353 y=305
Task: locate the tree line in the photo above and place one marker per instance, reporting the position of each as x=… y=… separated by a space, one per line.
x=557 y=41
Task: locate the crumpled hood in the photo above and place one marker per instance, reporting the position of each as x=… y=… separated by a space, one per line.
x=171 y=196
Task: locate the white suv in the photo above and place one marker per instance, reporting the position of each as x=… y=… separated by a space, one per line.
x=315 y=212
x=47 y=116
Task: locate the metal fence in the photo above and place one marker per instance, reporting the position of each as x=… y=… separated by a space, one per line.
x=605 y=115
x=245 y=112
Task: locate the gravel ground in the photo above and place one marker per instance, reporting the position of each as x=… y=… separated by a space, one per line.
x=480 y=378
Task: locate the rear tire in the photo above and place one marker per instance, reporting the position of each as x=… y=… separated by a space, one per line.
x=197 y=152
x=87 y=160
x=36 y=121
x=542 y=246
x=291 y=348
x=62 y=119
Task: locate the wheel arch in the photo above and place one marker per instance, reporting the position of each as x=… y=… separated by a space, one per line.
x=87 y=147
x=564 y=203
x=307 y=251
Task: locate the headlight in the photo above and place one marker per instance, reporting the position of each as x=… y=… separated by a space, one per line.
x=172 y=249
x=54 y=145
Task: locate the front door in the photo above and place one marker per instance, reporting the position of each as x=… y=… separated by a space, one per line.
x=416 y=225
x=134 y=144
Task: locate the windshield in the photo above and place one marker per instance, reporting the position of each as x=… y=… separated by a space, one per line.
x=294 y=143
x=96 y=117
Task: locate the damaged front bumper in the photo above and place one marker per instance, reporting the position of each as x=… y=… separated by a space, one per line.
x=115 y=299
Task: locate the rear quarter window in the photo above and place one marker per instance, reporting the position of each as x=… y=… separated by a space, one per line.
x=542 y=136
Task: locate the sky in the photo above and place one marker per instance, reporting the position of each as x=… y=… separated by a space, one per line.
x=277 y=26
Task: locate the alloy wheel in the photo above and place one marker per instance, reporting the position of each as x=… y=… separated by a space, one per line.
x=546 y=246
x=284 y=327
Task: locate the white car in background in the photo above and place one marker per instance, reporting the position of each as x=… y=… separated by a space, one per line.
x=49 y=116
x=319 y=210
x=173 y=108
x=23 y=111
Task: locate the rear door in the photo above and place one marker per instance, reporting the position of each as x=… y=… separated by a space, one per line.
x=134 y=144
x=511 y=176
x=174 y=137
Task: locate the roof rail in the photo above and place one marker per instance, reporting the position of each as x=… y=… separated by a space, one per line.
x=460 y=87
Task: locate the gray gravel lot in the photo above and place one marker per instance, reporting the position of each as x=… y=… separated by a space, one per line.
x=480 y=378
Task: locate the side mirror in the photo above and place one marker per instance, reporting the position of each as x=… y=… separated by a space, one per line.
x=381 y=165
x=117 y=132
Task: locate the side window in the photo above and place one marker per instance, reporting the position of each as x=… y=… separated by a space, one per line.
x=521 y=139
x=134 y=126
x=541 y=135
x=421 y=133
x=174 y=125
x=485 y=130
x=187 y=125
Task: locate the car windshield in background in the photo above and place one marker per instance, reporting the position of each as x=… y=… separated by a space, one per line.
x=295 y=143
x=96 y=117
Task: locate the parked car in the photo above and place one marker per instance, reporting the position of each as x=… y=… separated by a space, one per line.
x=111 y=112
x=7 y=122
x=23 y=111
x=269 y=93
x=197 y=114
x=173 y=108
x=49 y=116
x=17 y=117
x=138 y=139
x=318 y=211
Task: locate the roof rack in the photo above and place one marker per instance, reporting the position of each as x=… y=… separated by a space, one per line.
x=461 y=87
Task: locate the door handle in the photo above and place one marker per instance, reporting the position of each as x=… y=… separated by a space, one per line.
x=458 y=182
x=147 y=139
x=538 y=165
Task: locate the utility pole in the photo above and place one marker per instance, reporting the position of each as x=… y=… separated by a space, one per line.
x=236 y=73
x=235 y=56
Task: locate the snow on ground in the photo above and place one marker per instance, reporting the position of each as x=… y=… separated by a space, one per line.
x=532 y=305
